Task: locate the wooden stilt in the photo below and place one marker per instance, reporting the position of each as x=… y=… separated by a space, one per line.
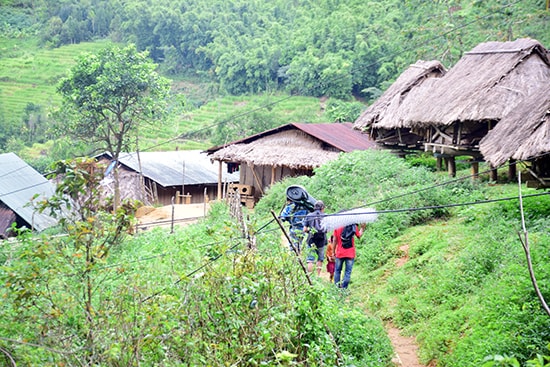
x=494 y=174
x=475 y=170
x=512 y=170
x=220 y=167
x=451 y=166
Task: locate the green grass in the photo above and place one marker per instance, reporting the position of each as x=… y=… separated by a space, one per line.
x=29 y=74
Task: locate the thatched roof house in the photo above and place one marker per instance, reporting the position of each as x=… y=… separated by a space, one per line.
x=384 y=119
x=523 y=135
x=449 y=115
x=289 y=150
x=457 y=110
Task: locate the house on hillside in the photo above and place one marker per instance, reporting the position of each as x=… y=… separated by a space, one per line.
x=485 y=85
x=453 y=113
x=188 y=176
x=289 y=150
x=523 y=135
x=384 y=119
x=19 y=184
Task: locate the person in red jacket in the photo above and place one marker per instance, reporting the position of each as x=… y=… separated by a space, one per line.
x=344 y=238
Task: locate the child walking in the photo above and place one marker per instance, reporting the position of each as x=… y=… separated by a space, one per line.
x=331 y=258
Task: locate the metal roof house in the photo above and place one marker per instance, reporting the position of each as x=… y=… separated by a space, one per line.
x=156 y=177
x=290 y=150
x=19 y=183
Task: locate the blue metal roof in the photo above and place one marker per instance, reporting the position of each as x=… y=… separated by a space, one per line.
x=190 y=167
x=19 y=182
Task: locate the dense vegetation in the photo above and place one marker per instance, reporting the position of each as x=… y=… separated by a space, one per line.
x=320 y=48
x=95 y=294
x=337 y=49
x=200 y=296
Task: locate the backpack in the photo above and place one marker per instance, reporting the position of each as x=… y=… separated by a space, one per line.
x=318 y=233
x=347 y=235
x=316 y=224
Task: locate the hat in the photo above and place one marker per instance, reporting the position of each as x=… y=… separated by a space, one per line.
x=319 y=205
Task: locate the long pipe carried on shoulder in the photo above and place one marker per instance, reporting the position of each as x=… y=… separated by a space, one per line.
x=354 y=216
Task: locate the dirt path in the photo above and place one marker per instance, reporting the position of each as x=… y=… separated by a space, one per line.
x=149 y=217
x=406 y=350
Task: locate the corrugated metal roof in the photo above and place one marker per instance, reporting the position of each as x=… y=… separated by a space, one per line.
x=341 y=136
x=19 y=182
x=190 y=167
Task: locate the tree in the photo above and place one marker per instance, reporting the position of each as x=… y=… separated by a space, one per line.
x=106 y=96
x=64 y=285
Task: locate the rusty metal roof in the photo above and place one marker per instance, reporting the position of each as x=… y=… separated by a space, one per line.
x=19 y=182
x=340 y=136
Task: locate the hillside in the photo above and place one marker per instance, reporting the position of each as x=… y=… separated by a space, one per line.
x=209 y=294
x=344 y=53
x=456 y=281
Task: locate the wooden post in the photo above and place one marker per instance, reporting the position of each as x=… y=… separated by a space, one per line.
x=220 y=180
x=494 y=174
x=451 y=166
x=272 y=175
x=475 y=170
x=173 y=216
x=182 y=182
x=438 y=163
x=205 y=201
x=512 y=170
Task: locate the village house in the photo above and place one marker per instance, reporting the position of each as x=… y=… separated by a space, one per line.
x=290 y=150
x=454 y=112
x=19 y=184
x=157 y=178
x=523 y=136
x=384 y=118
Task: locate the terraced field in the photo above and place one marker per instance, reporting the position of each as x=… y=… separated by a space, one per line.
x=29 y=74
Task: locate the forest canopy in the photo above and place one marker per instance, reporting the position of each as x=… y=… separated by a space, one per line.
x=334 y=48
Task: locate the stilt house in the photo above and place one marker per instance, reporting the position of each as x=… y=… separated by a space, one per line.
x=452 y=113
x=523 y=135
x=384 y=119
x=456 y=111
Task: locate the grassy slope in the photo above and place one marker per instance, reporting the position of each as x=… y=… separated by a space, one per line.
x=29 y=74
x=464 y=291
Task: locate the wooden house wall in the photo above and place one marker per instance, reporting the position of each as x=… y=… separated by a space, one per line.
x=260 y=177
x=7 y=217
x=164 y=194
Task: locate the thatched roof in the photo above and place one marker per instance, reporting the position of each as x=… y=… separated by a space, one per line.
x=522 y=134
x=485 y=84
x=300 y=146
x=386 y=111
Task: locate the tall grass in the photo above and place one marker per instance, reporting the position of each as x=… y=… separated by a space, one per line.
x=464 y=291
